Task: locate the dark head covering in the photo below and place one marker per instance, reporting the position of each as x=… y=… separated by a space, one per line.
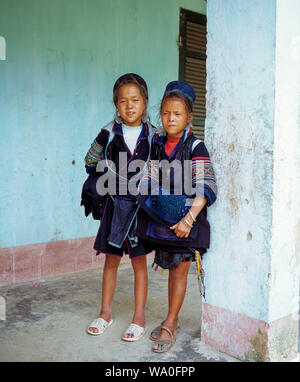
x=130 y=78
x=182 y=88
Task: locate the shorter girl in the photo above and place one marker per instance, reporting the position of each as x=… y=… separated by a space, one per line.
x=130 y=134
x=176 y=224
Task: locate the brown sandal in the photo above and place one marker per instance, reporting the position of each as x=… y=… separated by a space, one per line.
x=156 y=331
x=166 y=344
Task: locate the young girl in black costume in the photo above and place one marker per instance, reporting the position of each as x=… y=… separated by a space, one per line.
x=131 y=132
x=176 y=231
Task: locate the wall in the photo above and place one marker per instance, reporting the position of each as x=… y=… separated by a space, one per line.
x=62 y=59
x=285 y=242
x=252 y=132
x=239 y=134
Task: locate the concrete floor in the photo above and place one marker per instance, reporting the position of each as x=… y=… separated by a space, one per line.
x=46 y=320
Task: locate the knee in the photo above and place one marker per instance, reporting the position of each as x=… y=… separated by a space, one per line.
x=179 y=273
x=112 y=261
x=139 y=263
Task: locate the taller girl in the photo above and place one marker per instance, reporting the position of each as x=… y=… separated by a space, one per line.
x=130 y=134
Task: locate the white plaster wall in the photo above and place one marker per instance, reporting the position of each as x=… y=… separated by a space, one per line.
x=285 y=245
x=239 y=137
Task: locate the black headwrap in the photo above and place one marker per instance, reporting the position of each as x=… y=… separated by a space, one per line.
x=129 y=78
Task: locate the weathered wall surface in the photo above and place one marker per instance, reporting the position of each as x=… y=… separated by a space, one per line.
x=285 y=244
x=239 y=131
x=62 y=59
x=252 y=131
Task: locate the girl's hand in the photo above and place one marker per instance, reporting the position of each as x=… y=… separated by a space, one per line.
x=181 y=229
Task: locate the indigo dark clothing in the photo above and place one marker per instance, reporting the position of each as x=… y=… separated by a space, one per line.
x=93 y=202
x=156 y=230
x=116 y=232
x=117 y=146
x=166 y=259
x=101 y=243
x=121 y=226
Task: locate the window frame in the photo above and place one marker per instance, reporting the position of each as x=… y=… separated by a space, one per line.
x=198 y=18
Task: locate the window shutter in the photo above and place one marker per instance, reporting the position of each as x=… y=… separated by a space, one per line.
x=192 y=62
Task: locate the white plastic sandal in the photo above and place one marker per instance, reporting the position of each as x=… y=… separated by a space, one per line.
x=100 y=324
x=136 y=330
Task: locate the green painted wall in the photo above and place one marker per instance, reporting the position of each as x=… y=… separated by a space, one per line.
x=62 y=59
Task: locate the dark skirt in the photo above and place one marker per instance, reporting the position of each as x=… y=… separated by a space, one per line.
x=167 y=260
x=101 y=245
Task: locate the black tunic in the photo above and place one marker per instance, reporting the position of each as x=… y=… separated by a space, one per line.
x=116 y=146
x=201 y=229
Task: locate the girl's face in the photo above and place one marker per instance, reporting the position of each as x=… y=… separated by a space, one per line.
x=175 y=117
x=131 y=105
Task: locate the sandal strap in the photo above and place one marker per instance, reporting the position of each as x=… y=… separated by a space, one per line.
x=158 y=328
x=164 y=341
x=168 y=330
x=134 y=329
x=99 y=323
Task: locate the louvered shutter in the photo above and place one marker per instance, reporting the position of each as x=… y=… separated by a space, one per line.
x=192 y=62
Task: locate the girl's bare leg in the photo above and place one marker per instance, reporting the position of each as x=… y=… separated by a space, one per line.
x=170 y=292
x=177 y=288
x=139 y=265
x=109 y=280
